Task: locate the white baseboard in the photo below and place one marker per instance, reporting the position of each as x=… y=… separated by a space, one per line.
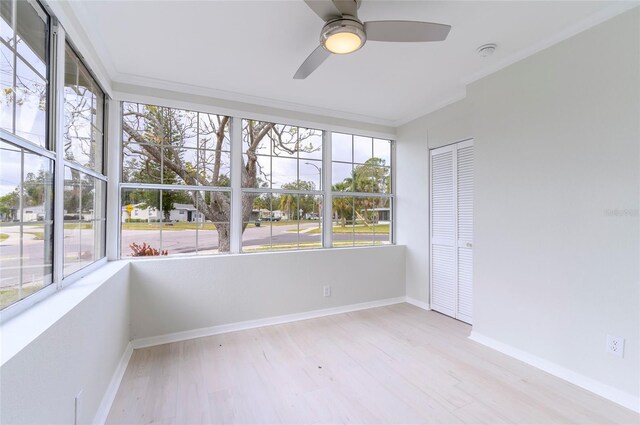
x=251 y=324
x=610 y=393
x=112 y=390
x=423 y=305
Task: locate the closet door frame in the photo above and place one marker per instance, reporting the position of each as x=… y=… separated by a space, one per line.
x=453 y=147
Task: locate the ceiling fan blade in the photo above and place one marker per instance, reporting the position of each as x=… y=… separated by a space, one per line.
x=325 y=9
x=313 y=61
x=347 y=7
x=405 y=31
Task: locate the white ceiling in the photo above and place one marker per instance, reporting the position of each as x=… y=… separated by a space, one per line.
x=253 y=48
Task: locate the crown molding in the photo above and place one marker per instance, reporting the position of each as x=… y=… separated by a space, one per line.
x=590 y=22
x=460 y=94
x=155 y=83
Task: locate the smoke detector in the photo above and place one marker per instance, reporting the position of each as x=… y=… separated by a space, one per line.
x=486 y=50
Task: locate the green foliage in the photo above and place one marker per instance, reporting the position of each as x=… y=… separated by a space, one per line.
x=296 y=206
x=9 y=203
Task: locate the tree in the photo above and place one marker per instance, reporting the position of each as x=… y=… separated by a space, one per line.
x=157 y=139
x=293 y=204
x=9 y=204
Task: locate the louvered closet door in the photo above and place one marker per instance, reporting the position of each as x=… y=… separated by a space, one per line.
x=452 y=230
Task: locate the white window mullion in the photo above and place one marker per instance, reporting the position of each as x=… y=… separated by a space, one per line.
x=236 y=185
x=327 y=206
x=57 y=138
x=113 y=167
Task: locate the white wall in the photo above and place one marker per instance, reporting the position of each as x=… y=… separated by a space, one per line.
x=557 y=147
x=78 y=351
x=557 y=187
x=445 y=126
x=173 y=295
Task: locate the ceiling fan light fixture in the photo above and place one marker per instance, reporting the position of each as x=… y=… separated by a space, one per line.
x=343 y=36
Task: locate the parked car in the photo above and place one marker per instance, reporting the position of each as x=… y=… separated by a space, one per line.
x=271 y=218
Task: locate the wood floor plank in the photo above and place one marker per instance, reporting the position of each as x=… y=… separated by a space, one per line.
x=395 y=364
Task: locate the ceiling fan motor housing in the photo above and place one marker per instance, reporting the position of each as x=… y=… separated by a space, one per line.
x=345 y=27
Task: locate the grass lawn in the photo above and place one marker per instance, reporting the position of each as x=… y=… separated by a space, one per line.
x=168 y=226
x=3 y=236
x=39 y=236
x=309 y=245
x=379 y=229
x=9 y=296
x=78 y=226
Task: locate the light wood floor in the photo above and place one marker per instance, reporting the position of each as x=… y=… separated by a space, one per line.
x=396 y=364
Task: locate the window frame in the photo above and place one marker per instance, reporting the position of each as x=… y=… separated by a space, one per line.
x=123 y=186
x=57 y=40
x=236 y=189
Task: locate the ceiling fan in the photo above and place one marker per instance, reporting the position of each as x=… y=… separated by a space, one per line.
x=344 y=33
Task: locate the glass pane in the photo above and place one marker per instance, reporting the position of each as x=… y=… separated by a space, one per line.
x=341 y=147
x=255 y=137
x=258 y=216
x=310 y=143
x=371 y=179
x=140 y=163
x=310 y=223
x=141 y=216
x=84 y=200
x=215 y=167
x=26 y=200
x=382 y=150
x=343 y=218
x=285 y=141
x=362 y=149
x=6 y=86
x=32 y=35
x=382 y=210
x=179 y=166
x=310 y=175
x=341 y=174
x=185 y=123
x=31 y=105
x=6 y=21
x=211 y=137
x=83 y=109
x=258 y=172
x=37 y=190
x=285 y=173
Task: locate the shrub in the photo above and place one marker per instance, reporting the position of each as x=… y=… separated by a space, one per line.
x=145 y=250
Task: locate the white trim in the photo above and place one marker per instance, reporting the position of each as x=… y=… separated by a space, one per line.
x=610 y=393
x=212 y=105
x=258 y=323
x=418 y=303
x=591 y=21
x=154 y=83
x=114 y=385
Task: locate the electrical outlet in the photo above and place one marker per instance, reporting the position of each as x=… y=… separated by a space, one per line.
x=327 y=291
x=615 y=345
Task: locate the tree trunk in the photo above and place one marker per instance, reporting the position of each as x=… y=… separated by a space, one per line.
x=224 y=237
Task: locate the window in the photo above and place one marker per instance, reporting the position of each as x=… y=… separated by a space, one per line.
x=175 y=193
x=30 y=165
x=178 y=197
x=282 y=187
x=361 y=187
x=26 y=229
x=84 y=197
x=24 y=70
